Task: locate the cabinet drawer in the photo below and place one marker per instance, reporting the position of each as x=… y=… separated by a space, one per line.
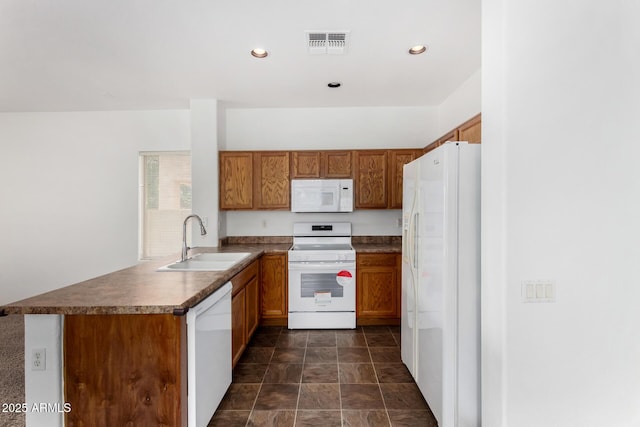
x=377 y=260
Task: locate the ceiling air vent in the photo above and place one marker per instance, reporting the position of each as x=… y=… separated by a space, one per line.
x=327 y=42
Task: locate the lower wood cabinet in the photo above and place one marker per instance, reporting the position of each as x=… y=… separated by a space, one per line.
x=238 y=335
x=252 y=298
x=244 y=309
x=273 y=289
x=378 y=287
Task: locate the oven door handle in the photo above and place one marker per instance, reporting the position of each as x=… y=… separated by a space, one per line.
x=322 y=266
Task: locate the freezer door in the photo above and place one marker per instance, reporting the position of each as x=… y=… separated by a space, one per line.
x=432 y=252
x=409 y=266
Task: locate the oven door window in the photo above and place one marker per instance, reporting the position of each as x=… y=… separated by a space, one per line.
x=312 y=284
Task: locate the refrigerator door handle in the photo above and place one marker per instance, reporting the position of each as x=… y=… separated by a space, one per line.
x=414 y=243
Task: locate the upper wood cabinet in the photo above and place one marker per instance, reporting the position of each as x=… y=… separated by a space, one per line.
x=449 y=136
x=337 y=164
x=371 y=179
x=471 y=130
x=397 y=159
x=236 y=180
x=258 y=180
x=305 y=164
x=271 y=180
x=321 y=164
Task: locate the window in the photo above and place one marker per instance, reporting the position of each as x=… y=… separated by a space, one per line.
x=165 y=201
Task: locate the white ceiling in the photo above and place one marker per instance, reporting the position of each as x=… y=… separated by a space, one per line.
x=69 y=55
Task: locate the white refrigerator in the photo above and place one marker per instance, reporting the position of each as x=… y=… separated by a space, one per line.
x=440 y=332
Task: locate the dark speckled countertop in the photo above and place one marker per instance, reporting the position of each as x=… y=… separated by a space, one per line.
x=143 y=290
x=140 y=289
x=377 y=244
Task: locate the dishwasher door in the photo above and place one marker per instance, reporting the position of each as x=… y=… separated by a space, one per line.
x=208 y=355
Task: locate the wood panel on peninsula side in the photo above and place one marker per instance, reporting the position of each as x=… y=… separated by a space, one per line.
x=107 y=386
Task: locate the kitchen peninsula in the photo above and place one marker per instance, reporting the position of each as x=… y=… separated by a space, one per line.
x=121 y=356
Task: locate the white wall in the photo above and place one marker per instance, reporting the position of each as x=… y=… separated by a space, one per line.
x=461 y=105
x=323 y=128
x=69 y=193
x=561 y=190
x=204 y=170
x=329 y=128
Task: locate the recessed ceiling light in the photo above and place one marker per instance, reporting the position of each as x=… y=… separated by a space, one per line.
x=259 y=53
x=334 y=84
x=418 y=49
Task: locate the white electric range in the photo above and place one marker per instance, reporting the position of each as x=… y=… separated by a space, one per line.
x=322 y=276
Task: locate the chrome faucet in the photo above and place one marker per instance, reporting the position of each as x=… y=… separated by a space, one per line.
x=203 y=231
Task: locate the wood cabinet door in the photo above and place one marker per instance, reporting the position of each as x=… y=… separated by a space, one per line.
x=397 y=159
x=471 y=130
x=273 y=286
x=271 y=181
x=252 y=302
x=238 y=328
x=371 y=179
x=337 y=164
x=305 y=164
x=236 y=180
x=378 y=286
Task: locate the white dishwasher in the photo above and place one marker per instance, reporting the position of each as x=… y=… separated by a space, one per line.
x=208 y=355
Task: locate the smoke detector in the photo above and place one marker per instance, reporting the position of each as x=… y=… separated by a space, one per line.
x=327 y=42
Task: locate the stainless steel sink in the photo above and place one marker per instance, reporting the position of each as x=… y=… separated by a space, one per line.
x=207 y=261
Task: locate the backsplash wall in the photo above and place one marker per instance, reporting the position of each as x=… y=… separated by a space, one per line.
x=280 y=223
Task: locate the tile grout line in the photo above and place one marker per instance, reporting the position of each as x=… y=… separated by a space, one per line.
x=304 y=358
x=255 y=400
x=339 y=383
x=375 y=371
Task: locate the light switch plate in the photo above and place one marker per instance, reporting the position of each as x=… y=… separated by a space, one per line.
x=538 y=291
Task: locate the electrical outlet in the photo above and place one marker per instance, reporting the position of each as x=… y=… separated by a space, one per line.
x=38 y=359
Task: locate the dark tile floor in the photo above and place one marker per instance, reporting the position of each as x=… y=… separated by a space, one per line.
x=323 y=378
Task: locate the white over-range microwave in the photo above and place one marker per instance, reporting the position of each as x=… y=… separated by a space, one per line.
x=322 y=195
